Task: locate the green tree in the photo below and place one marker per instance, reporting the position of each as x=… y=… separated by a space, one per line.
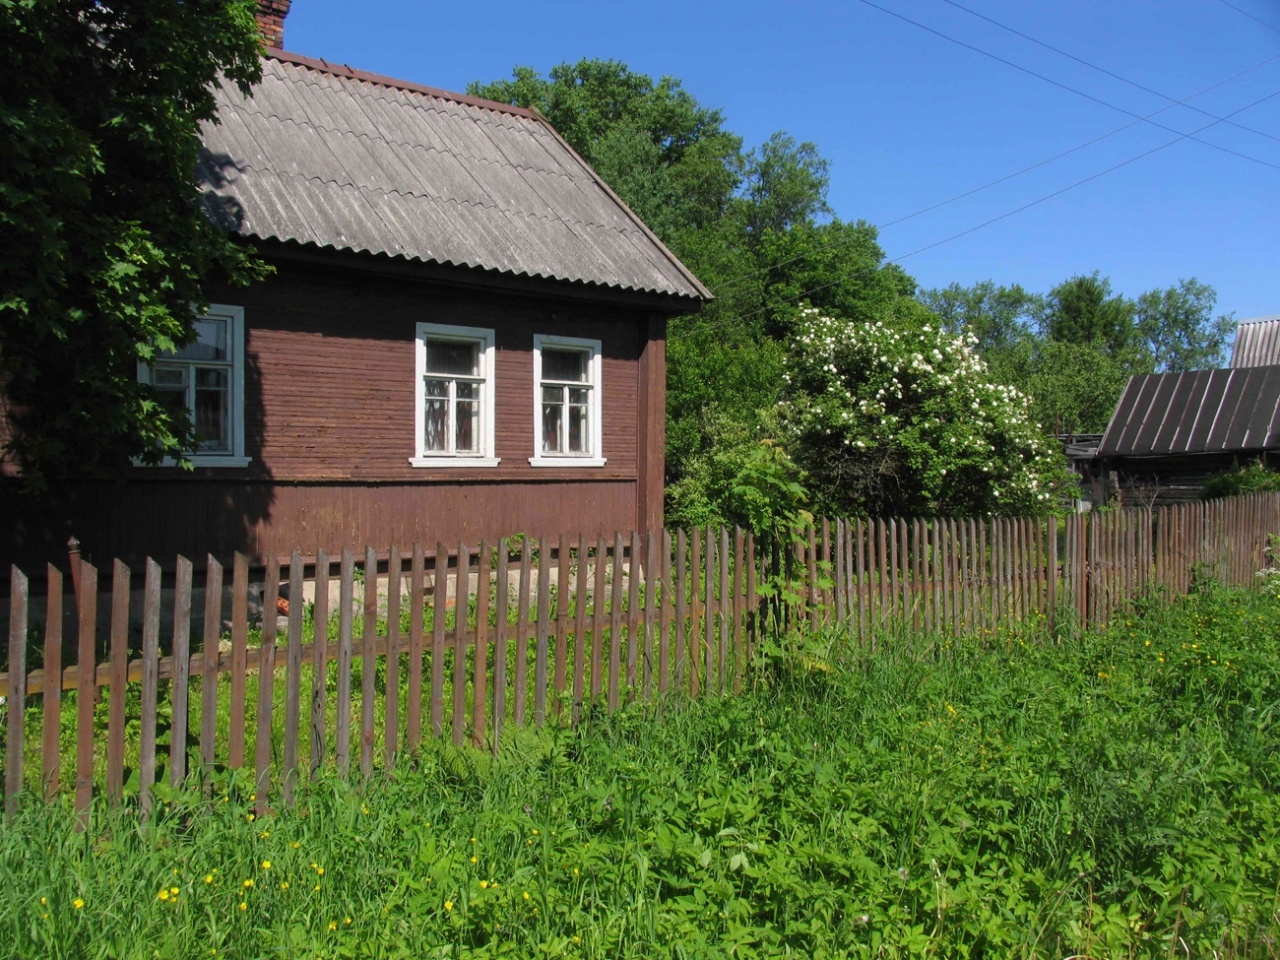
x=104 y=247
x=1177 y=328
x=1000 y=317
x=1084 y=310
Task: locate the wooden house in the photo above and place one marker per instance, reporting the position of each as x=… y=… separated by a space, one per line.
x=1170 y=432
x=464 y=336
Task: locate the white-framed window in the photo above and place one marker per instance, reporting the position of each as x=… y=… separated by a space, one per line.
x=453 y=408
x=206 y=379
x=566 y=402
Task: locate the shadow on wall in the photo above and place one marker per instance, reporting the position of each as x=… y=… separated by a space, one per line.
x=159 y=512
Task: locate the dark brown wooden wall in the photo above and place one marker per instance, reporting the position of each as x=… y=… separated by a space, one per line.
x=329 y=423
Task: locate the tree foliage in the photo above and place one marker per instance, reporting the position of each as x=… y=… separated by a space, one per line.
x=104 y=247
x=904 y=420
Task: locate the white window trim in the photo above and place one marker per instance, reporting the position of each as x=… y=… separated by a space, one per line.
x=484 y=337
x=594 y=370
x=236 y=457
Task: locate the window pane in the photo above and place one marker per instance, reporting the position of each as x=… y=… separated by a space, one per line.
x=437 y=388
x=211 y=415
x=468 y=428
x=173 y=400
x=552 y=416
x=435 y=431
x=175 y=377
x=450 y=356
x=578 y=429
x=564 y=365
x=467 y=390
x=210 y=342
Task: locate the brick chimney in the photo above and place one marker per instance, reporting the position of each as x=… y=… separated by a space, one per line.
x=271 y=14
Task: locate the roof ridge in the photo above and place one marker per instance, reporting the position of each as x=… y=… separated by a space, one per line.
x=342 y=70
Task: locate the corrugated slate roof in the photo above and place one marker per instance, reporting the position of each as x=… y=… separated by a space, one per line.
x=325 y=155
x=1207 y=411
x=1257 y=343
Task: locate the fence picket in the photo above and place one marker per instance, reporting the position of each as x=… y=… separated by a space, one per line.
x=542 y=636
x=293 y=677
x=210 y=652
x=461 y=609
x=342 y=719
x=118 y=659
x=181 y=673
x=266 y=683
x=319 y=664
x=368 y=662
x=239 y=655
x=150 y=676
x=480 y=658
x=50 y=753
x=439 y=603
x=15 y=733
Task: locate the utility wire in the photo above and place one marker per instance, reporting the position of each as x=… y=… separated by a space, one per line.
x=1243 y=12
x=1063 y=86
x=737 y=318
x=1081 y=146
x=1173 y=101
x=1009 y=176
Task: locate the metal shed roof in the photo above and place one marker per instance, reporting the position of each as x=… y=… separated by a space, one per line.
x=1208 y=411
x=1257 y=343
x=325 y=155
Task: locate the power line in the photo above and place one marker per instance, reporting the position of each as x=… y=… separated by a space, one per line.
x=1078 y=183
x=986 y=223
x=1061 y=85
x=1078 y=147
x=1246 y=13
x=1173 y=101
x=1017 y=173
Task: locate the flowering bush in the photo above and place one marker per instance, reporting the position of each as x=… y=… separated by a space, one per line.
x=893 y=421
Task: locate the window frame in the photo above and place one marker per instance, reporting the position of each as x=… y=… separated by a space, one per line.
x=235 y=456
x=484 y=338
x=595 y=409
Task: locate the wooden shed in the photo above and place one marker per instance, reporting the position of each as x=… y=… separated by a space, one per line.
x=1170 y=432
x=464 y=337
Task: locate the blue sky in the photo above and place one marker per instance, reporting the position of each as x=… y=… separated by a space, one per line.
x=909 y=119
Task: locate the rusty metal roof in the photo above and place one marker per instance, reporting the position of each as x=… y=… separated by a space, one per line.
x=1207 y=411
x=1257 y=343
x=326 y=155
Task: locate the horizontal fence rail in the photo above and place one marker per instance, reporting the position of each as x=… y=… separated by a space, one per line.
x=466 y=642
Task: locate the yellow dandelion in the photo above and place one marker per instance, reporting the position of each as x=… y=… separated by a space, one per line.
x=250 y=817
x=266 y=864
x=535 y=832
x=448 y=904
x=264 y=834
x=253 y=797
x=576 y=939
x=316 y=887
x=333 y=925
x=284 y=884
x=347 y=921
x=364 y=809
x=208 y=878
x=575 y=871
x=525 y=894
x=44 y=901
x=243 y=906
x=248 y=883
x=163 y=894
x=475 y=859
x=173 y=891
x=295 y=845
x=319 y=871
x=77 y=903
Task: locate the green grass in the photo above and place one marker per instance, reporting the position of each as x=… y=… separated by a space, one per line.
x=1113 y=796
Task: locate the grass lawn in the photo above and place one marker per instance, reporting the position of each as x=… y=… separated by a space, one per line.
x=1114 y=796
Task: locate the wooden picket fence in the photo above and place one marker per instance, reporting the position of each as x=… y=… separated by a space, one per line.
x=465 y=642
